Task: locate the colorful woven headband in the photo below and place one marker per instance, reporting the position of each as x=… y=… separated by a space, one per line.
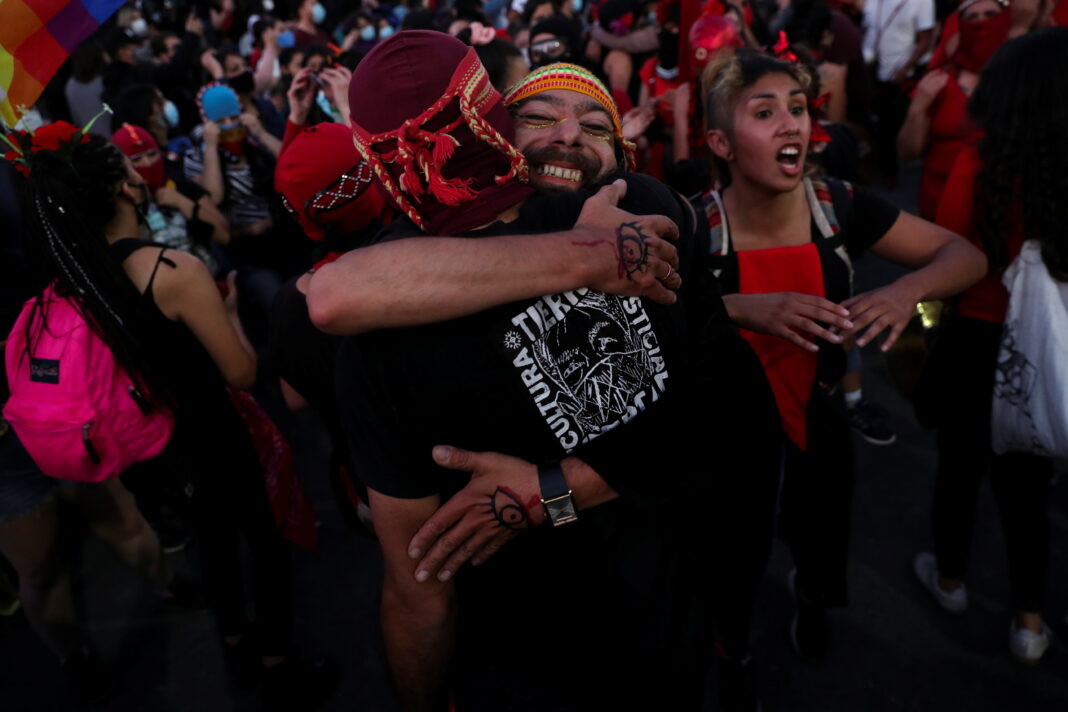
x=421 y=153
x=572 y=77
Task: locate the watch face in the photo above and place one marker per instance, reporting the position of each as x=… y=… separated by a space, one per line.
x=561 y=510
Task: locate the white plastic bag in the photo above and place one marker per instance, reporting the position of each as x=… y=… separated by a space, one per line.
x=1030 y=406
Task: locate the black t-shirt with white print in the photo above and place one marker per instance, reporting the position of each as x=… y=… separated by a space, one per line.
x=553 y=376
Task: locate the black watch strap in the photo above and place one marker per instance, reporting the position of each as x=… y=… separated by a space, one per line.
x=555 y=495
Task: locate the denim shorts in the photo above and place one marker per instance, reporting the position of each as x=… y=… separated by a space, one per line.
x=23 y=487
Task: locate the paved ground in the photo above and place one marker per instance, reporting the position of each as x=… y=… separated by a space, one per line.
x=893 y=649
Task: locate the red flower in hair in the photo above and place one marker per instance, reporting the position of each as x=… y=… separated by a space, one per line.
x=52 y=137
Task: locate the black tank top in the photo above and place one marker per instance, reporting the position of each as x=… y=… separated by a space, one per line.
x=192 y=375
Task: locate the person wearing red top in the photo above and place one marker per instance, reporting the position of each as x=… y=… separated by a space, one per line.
x=1006 y=187
x=785 y=273
x=936 y=123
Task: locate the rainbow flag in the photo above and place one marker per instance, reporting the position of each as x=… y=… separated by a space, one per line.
x=36 y=36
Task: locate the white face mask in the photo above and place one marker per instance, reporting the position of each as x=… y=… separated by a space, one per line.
x=139 y=27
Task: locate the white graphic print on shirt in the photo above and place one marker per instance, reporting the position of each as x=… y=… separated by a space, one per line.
x=591 y=361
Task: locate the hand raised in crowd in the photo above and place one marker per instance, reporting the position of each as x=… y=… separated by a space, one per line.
x=929 y=87
x=787 y=314
x=890 y=307
x=500 y=501
x=251 y=122
x=301 y=95
x=336 y=87
x=270 y=36
x=211 y=134
x=633 y=252
x=637 y=120
x=194 y=24
x=211 y=64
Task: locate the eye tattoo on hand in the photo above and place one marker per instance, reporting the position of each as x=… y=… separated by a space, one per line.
x=631 y=249
x=507 y=509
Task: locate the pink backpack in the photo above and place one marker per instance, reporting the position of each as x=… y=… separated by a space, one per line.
x=73 y=407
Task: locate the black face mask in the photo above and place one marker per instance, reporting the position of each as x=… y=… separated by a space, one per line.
x=242 y=83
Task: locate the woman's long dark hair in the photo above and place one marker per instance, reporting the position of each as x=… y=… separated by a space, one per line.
x=1021 y=104
x=66 y=203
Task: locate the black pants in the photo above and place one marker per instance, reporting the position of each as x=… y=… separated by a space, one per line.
x=963 y=361
x=817 y=501
x=229 y=504
x=890 y=106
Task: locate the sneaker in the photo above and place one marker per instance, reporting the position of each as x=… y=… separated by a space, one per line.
x=869 y=421
x=90 y=680
x=808 y=628
x=926 y=567
x=1026 y=645
x=737 y=686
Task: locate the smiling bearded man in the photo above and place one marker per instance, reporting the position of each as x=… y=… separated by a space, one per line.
x=568 y=128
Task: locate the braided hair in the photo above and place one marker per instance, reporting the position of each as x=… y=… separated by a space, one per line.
x=67 y=201
x=1021 y=105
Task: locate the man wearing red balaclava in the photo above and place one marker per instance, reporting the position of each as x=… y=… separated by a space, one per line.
x=553 y=379
x=181 y=216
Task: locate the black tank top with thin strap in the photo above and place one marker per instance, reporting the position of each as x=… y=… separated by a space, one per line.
x=194 y=378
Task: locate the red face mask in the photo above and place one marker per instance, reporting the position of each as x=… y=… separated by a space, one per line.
x=153 y=174
x=979 y=40
x=232 y=139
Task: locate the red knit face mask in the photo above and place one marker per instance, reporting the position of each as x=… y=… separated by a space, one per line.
x=153 y=174
x=449 y=165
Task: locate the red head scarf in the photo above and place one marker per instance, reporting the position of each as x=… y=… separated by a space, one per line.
x=979 y=40
x=323 y=180
x=133 y=141
x=435 y=132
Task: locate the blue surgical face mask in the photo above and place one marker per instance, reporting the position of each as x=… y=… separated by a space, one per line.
x=651 y=17
x=324 y=103
x=170 y=114
x=287 y=39
x=576 y=5
x=384 y=32
x=400 y=12
x=318 y=14
x=367 y=33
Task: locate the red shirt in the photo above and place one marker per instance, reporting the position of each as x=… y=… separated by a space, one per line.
x=949 y=130
x=987 y=299
x=658 y=87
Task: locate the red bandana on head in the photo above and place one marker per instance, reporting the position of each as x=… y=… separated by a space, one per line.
x=436 y=132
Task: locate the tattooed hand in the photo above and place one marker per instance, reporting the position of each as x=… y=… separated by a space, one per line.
x=630 y=254
x=500 y=501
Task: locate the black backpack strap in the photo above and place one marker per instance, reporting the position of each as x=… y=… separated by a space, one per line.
x=842 y=202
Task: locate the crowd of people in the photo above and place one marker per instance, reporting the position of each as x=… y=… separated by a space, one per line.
x=493 y=246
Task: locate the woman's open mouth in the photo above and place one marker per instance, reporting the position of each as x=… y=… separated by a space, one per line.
x=789 y=158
